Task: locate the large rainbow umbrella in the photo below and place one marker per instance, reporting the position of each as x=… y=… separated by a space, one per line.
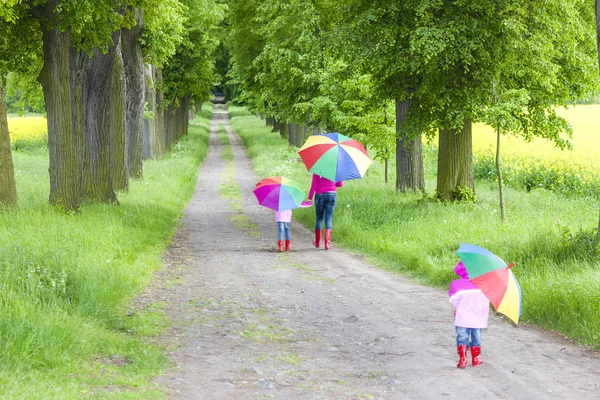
x=495 y=279
x=335 y=157
x=279 y=193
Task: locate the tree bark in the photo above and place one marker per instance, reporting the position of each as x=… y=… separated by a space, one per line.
x=300 y=135
x=410 y=172
x=77 y=59
x=118 y=122
x=56 y=85
x=149 y=125
x=134 y=84
x=99 y=125
x=455 y=162
x=169 y=127
x=159 y=121
x=284 y=130
x=8 y=188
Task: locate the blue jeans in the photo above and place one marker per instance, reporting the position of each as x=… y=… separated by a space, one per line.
x=469 y=336
x=324 y=205
x=283 y=227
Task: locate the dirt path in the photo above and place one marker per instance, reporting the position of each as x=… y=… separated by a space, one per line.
x=250 y=323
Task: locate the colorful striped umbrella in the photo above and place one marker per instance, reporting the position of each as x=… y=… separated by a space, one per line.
x=335 y=157
x=495 y=279
x=279 y=193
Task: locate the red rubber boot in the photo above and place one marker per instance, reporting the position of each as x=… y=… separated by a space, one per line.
x=475 y=356
x=280 y=246
x=327 y=239
x=462 y=353
x=317 y=240
x=287 y=245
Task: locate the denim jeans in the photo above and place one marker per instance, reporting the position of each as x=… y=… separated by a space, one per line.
x=283 y=228
x=469 y=336
x=324 y=205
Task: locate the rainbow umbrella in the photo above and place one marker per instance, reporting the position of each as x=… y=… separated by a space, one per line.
x=279 y=193
x=335 y=157
x=495 y=279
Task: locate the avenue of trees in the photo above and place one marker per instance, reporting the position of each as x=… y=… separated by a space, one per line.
x=432 y=67
x=118 y=77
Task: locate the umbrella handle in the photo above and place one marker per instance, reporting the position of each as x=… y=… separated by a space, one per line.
x=511 y=265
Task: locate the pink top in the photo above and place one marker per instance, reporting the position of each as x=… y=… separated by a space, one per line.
x=472 y=307
x=283 y=216
x=322 y=185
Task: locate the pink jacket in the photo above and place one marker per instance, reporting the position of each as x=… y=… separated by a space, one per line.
x=472 y=307
x=283 y=216
x=322 y=185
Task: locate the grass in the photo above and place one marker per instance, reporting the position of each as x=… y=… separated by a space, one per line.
x=67 y=281
x=549 y=236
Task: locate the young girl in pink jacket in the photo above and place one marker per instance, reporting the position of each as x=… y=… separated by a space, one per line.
x=472 y=310
x=283 y=219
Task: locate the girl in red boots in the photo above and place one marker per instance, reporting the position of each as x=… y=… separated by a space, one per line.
x=325 y=200
x=283 y=219
x=472 y=310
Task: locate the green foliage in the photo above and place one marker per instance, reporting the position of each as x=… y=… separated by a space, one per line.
x=67 y=280
x=464 y=193
x=558 y=265
x=163 y=29
x=191 y=72
x=23 y=94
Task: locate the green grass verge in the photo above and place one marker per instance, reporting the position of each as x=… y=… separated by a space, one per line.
x=68 y=329
x=548 y=235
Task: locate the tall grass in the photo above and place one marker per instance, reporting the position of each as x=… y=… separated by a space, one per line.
x=67 y=280
x=548 y=236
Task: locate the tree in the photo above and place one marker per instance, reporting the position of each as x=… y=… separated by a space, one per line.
x=8 y=189
x=190 y=76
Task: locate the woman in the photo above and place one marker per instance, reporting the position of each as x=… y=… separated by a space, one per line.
x=324 y=191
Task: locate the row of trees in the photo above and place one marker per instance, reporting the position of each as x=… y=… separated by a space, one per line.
x=118 y=77
x=441 y=65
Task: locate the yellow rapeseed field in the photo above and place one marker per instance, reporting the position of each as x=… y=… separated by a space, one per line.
x=569 y=170
x=30 y=129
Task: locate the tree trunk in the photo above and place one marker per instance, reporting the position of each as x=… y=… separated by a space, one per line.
x=410 y=173
x=169 y=127
x=77 y=59
x=187 y=114
x=300 y=135
x=499 y=171
x=8 y=188
x=149 y=125
x=55 y=78
x=118 y=122
x=455 y=162
x=159 y=143
x=386 y=162
x=284 y=130
x=134 y=84
x=98 y=133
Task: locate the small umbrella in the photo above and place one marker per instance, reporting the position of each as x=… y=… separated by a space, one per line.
x=495 y=279
x=335 y=157
x=279 y=193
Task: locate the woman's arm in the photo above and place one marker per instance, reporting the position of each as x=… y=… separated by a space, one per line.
x=313 y=187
